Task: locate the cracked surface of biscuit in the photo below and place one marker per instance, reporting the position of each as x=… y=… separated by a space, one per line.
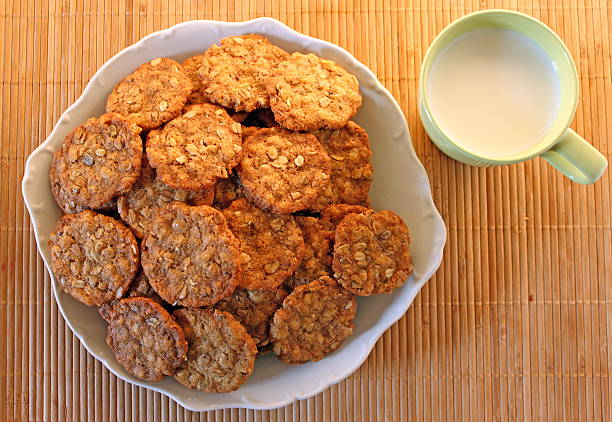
x=144 y=337
x=332 y=215
x=254 y=310
x=351 y=174
x=317 y=258
x=234 y=73
x=195 y=149
x=153 y=94
x=271 y=246
x=371 y=252
x=283 y=171
x=308 y=93
x=97 y=161
x=221 y=354
x=138 y=206
x=190 y=256
x=314 y=321
x=93 y=257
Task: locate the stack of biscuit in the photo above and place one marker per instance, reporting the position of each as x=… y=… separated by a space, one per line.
x=219 y=210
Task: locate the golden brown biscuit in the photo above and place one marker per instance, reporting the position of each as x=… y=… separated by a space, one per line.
x=98 y=160
x=221 y=354
x=144 y=337
x=271 y=246
x=153 y=94
x=190 y=68
x=308 y=92
x=190 y=256
x=283 y=171
x=138 y=206
x=141 y=287
x=317 y=258
x=196 y=149
x=371 y=252
x=314 y=321
x=254 y=310
x=332 y=215
x=234 y=74
x=351 y=175
x=93 y=257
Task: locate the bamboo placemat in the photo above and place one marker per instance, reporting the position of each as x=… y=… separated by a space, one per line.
x=516 y=324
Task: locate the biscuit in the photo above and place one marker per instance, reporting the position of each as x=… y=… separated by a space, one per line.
x=314 y=321
x=190 y=68
x=332 y=215
x=271 y=246
x=153 y=94
x=234 y=74
x=202 y=197
x=351 y=174
x=144 y=337
x=141 y=287
x=317 y=258
x=221 y=355
x=308 y=92
x=227 y=191
x=98 y=160
x=190 y=256
x=371 y=252
x=196 y=149
x=138 y=206
x=254 y=310
x=94 y=257
x=283 y=171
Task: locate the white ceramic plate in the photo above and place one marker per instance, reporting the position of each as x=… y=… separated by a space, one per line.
x=400 y=184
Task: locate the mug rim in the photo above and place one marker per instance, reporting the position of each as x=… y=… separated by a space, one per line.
x=547 y=140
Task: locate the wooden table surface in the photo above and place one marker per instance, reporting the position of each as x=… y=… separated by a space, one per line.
x=516 y=324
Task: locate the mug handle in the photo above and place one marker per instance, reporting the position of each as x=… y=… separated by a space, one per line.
x=576 y=158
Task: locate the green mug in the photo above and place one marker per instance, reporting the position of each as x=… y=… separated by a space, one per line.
x=567 y=151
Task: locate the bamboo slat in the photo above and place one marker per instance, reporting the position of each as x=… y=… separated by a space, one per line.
x=516 y=324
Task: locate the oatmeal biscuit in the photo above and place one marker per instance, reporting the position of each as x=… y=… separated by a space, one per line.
x=190 y=256
x=317 y=254
x=98 y=160
x=332 y=215
x=144 y=337
x=227 y=191
x=283 y=171
x=371 y=252
x=196 y=149
x=221 y=354
x=351 y=174
x=202 y=197
x=190 y=68
x=153 y=94
x=308 y=93
x=254 y=310
x=141 y=287
x=234 y=74
x=314 y=320
x=138 y=206
x=93 y=257
x=271 y=246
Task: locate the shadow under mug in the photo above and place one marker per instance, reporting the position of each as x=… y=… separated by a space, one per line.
x=563 y=148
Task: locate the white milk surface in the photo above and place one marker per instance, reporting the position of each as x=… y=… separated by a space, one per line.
x=494 y=91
